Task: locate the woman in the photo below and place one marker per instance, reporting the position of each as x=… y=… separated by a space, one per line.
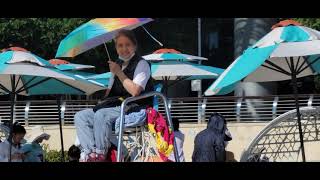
x=131 y=77
x=18 y=133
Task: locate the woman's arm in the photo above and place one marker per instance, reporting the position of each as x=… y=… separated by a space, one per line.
x=107 y=93
x=129 y=85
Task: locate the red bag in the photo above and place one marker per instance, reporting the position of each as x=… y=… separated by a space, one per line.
x=112 y=154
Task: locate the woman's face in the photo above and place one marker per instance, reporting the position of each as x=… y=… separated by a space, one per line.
x=17 y=138
x=125 y=47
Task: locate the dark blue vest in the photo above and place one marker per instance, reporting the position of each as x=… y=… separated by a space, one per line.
x=118 y=89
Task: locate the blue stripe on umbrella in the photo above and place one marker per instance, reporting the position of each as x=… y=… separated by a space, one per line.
x=52 y=86
x=294 y=34
x=243 y=66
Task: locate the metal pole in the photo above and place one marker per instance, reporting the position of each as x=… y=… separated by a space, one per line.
x=199 y=54
x=60 y=126
x=12 y=99
x=175 y=150
x=295 y=92
x=119 y=153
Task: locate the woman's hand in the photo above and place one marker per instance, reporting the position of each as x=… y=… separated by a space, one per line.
x=114 y=67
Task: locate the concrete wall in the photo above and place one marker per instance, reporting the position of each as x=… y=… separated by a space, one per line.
x=242 y=134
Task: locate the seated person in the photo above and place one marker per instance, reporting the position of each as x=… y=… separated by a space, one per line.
x=130 y=77
x=18 y=133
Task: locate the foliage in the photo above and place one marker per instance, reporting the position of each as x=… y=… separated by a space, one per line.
x=53 y=155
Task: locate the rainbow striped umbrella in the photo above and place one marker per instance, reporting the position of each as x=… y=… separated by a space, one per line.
x=94 y=33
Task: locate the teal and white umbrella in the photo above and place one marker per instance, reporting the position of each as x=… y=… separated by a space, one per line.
x=67 y=66
x=36 y=76
x=177 y=70
x=172 y=57
x=28 y=74
x=288 y=52
x=171 y=70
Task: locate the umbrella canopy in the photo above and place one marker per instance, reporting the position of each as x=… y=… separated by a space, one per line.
x=100 y=78
x=166 y=50
x=289 y=51
x=14 y=48
x=175 y=70
x=34 y=76
x=27 y=74
x=94 y=33
x=65 y=65
x=275 y=57
x=171 y=55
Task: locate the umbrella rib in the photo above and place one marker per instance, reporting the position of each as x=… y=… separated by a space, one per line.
x=26 y=83
x=35 y=84
x=278 y=68
x=18 y=82
x=289 y=65
x=13 y=78
x=272 y=68
x=296 y=68
x=308 y=65
x=304 y=62
x=4 y=88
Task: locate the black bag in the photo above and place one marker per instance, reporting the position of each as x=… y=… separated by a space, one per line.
x=108 y=102
x=116 y=101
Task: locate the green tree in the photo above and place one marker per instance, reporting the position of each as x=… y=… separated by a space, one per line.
x=39 y=35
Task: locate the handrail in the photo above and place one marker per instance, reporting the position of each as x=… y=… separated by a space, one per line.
x=263 y=108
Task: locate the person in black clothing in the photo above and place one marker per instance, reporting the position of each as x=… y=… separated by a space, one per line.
x=209 y=144
x=130 y=77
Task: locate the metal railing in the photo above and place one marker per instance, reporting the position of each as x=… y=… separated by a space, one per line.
x=238 y=109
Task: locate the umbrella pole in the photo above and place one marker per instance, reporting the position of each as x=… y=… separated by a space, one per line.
x=295 y=91
x=166 y=86
x=12 y=100
x=60 y=126
x=105 y=46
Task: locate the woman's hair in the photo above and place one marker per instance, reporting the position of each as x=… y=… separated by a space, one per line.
x=18 y=129
x=129 y=34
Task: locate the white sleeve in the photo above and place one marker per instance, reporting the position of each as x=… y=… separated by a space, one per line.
x=142 y=74
x=111 y=80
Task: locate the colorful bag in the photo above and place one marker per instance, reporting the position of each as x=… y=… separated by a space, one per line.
x=163 y=135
